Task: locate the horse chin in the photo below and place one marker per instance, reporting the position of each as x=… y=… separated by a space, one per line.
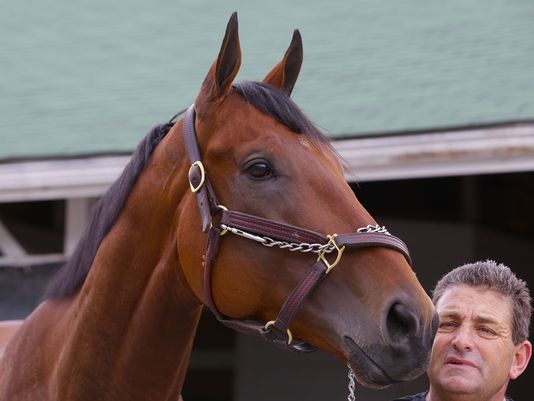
x=368 y=371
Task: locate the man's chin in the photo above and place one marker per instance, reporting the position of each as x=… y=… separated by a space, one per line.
x=458 y=384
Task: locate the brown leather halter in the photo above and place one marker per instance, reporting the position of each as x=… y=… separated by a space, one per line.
x=270 y=233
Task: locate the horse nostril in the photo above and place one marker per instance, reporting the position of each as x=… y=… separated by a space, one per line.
x=401 y=324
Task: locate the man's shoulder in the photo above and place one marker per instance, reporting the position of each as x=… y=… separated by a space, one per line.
x=414 y=397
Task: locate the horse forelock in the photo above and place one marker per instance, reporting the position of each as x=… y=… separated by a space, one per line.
x=281 y=107
x=105 y=212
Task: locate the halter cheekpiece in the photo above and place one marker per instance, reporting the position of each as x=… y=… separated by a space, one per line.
x=269 y=233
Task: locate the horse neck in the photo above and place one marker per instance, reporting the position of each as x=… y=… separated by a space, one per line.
x=135 y=317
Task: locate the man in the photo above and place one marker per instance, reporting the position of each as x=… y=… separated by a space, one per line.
x=481 y=344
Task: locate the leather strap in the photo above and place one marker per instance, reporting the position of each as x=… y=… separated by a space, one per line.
x=366 y=240
x=262 y=226
x=206 y=199
x=299 y=293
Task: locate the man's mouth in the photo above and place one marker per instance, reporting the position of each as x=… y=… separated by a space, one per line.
x=453 y=360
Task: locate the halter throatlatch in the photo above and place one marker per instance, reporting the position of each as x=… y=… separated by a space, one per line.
x=329 y=248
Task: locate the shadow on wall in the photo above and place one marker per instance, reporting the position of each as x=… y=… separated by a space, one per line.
x=21 y=289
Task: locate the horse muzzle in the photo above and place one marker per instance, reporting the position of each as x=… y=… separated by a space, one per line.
x=401 y=354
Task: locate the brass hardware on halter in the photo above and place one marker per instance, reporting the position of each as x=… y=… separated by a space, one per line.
x=198 y=164
x=225 y=230
x=289 y=335
x=331 y=241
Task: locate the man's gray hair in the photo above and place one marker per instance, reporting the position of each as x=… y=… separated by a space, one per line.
x=499 y=278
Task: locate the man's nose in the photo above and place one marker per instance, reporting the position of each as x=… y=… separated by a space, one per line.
x=463 y=339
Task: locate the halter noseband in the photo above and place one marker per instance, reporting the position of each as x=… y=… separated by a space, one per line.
x=271 y=233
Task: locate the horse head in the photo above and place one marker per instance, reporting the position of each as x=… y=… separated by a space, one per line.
x=269 y=181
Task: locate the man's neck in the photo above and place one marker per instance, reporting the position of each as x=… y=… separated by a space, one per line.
x=434 y=395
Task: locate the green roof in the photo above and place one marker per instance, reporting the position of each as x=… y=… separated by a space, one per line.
x=92 y=77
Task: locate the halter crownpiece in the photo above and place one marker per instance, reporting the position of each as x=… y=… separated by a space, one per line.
x=271 y=233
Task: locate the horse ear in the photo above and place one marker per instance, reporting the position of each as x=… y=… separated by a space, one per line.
x=284 y=74
x=224 y=69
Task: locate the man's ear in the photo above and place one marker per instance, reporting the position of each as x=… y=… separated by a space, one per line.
x=223 y=71
x=523 y=352
x=284 y=74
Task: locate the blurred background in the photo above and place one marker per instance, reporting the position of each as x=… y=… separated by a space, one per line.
x=430 y=103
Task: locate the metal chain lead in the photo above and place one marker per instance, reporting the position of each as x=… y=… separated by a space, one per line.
x=303 y=246
x=373 y=229
x=352 y=385
x=291 y=246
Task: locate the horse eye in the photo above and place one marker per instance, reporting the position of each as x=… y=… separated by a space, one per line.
x=260 y=170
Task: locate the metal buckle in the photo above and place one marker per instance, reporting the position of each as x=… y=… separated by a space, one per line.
x=198 y=164
x=224 y=230
x=331 y=241
x=289 y=335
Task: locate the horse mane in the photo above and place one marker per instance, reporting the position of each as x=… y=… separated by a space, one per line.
x=105 y=212
x=282 y=108
x=267 y=99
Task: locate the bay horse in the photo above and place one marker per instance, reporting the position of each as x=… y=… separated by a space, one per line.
x=207 y=212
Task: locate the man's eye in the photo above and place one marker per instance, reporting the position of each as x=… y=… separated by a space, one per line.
x=447 y=325
x=486 y=331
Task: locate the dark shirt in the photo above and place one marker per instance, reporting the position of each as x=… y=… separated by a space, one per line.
x=422 y=396
x=414 y=397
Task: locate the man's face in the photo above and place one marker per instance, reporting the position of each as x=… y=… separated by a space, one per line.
x=473 y=352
